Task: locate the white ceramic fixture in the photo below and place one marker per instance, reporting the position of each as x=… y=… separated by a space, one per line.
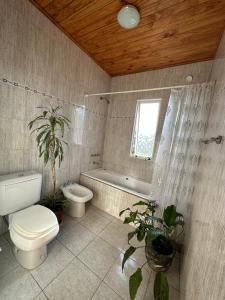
x=77 y=195
x=128 y=17
x=31 y=227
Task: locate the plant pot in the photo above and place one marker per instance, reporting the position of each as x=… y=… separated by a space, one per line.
x=158 y=262
x=58 y=214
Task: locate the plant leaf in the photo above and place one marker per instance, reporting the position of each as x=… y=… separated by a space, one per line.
x=122 y=211
x=170 y=215
x=161 y=287
x=131 y=218
x=131 y=235
x=127 y=254
x=140 y=203
x=134 y=283
x=141 y=232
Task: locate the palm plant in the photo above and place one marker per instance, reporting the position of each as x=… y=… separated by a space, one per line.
x=50 y=129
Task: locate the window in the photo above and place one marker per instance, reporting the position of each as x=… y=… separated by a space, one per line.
x=79 y=120
x=145 y=128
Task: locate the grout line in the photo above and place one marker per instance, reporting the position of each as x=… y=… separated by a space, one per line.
x=58 y=275
x=113 y=290
x=35 y=280
x=66 y=248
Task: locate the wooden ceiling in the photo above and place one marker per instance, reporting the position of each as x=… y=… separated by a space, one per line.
x=171 y=32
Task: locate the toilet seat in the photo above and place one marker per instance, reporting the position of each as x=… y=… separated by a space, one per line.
x=34 y=221
x=33 y=227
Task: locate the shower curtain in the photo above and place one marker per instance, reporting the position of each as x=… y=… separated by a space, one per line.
x=179 y=152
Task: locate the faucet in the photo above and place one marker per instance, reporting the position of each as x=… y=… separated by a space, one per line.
x=96 y=163
x=95 y=155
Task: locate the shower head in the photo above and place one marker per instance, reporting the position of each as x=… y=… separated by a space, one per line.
x=104 y=98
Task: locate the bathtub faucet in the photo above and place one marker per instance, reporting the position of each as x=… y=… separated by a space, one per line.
x=96 y=163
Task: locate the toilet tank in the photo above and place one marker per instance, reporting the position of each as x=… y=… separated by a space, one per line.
x=18 y=191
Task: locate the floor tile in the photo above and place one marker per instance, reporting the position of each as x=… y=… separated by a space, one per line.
x=18 y=284
x=58 y=258
x=7 y=259
x=119 y=281
x=105 y=293
x=99 y=256
x=94 y=222
x=41 y=296
x=7 y=237
x=75 y=238
x=116 y=234
x=101 y=212
x=75 y=282
x=67 y=221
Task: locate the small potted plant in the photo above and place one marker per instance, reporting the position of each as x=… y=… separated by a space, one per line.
x=160 y=236
x=50 y=128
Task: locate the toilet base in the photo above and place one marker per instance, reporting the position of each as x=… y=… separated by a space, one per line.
x=30 y=259
x=76 y=210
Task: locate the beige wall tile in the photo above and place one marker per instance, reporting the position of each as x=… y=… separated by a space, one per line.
x=203 y=263
x=36 y=53
x=121 y=114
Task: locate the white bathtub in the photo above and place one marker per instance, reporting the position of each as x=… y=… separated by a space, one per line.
x=125 y=183
x=114 y=192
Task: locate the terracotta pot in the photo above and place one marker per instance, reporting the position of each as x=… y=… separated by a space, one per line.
x=158 y=262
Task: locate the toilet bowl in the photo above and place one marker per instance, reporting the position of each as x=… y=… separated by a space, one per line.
x=31 y=227
x=77 y=195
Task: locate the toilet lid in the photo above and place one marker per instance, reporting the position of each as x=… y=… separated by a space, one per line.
x=34 y=220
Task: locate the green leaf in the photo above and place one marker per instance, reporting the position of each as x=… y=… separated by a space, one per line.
x=127 y=254
x=140 y=203
x=46 y=156
x=141 y=232
x=123 y=211
x=131 y=235
x=40 y=135
x=131 y=218
x=45 y=113
x=170 y=215
x=161 y=287
x=134 y=283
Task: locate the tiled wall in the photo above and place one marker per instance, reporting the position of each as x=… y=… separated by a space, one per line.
x=33 y=52
x=203 y=266
x=121 y=114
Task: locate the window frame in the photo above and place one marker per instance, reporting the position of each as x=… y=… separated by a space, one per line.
x=133 y=138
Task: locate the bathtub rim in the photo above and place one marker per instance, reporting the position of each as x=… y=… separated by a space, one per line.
x=128 y=191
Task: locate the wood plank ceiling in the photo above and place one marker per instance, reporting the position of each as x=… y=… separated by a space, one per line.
x=171 y=32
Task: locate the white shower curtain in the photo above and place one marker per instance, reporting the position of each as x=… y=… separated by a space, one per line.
x=179 y=152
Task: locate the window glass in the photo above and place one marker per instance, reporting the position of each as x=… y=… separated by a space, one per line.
x=145 y=128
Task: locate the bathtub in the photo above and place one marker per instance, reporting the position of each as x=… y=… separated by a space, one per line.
x=114 y=192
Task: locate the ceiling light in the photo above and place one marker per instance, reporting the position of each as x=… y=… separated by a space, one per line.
x=128 y=17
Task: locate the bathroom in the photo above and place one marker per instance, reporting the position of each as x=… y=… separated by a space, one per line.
x=77 y=55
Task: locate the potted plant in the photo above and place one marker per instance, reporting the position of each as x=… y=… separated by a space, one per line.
x=50 y=128
x=159 y=235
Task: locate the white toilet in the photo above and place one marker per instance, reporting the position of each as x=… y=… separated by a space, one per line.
x=77 y=195
x=31 y=227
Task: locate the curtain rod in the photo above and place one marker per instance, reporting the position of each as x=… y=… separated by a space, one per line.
x=139 y=91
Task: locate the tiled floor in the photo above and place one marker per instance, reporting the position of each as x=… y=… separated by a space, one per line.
x=84 y=262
